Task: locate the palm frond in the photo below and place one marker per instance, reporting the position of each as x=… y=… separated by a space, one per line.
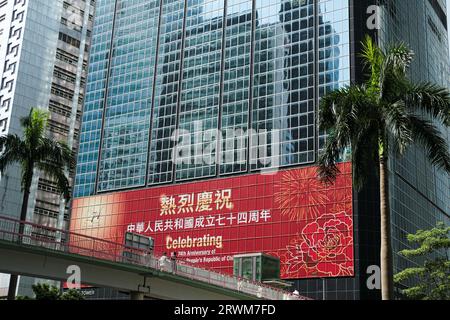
x=342 y=105
x=341 y=111
x=399 y=58
x=336 y=104
x=365 y=153
x=328 y=170
x=397 y=122
x=327 y=112
x=57 y=174
x=373 y=58
x=54 y=159
x=428 y=135
x=34 y=126
x=56 y=152
x=393 y=75
x=430 y=98
x=14 y=150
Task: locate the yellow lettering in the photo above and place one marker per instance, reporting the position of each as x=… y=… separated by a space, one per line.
x=188 y=242
x=168 y=242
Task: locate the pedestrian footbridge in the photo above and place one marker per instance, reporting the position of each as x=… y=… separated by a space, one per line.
x=31 y=250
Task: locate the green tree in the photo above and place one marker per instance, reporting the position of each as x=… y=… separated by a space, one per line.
x=35 y=151
x=433 y=278
x=43 y=291
x=72 y=294
x=383 y=116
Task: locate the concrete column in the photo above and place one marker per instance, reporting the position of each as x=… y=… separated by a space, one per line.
x=134 y=295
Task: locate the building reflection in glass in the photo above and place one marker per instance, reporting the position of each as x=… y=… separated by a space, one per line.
x=235 y=68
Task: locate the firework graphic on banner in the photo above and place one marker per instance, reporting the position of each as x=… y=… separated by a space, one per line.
x=342 y=201
x=300 y=194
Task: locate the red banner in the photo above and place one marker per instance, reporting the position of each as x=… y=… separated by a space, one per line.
x=290 y=214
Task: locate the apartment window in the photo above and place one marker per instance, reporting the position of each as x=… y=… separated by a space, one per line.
x=59 y=108
x=58 y=128
x=69 y=40
x=66 y=57
x=62 y=92
x=64 y=75
x=48 y=186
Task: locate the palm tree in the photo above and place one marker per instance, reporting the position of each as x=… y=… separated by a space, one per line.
x=35 y=151
x=383 y=116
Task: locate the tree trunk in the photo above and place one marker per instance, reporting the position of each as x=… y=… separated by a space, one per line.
x=387 y=280
x=23 y=212
x=23 y=216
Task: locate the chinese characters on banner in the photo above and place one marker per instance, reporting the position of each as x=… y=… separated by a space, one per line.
x=201 y=202
x=205 y=202
x=291 y=215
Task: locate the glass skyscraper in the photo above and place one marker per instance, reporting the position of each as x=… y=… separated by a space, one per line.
x=420 y=192
x=236 y=65
x=165 y=72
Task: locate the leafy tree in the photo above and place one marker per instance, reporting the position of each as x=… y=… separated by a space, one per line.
x=43 y=291
x=72 y=294
x=383 y=116
x=35 y=151
x=433 y=278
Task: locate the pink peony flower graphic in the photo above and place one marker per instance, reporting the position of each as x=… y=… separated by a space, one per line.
x=324 y=248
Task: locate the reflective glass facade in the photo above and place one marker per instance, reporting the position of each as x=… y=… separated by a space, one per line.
x=284 y=97
x=164 y=120
x=91 y=127
x=234 y=117
x=126 y=124
x=212 y=75
x=420 y=193
x=200 y=85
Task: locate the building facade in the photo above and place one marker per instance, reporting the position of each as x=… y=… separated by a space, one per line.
x=420 y=192
x=44 y=56
x=207 y=109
